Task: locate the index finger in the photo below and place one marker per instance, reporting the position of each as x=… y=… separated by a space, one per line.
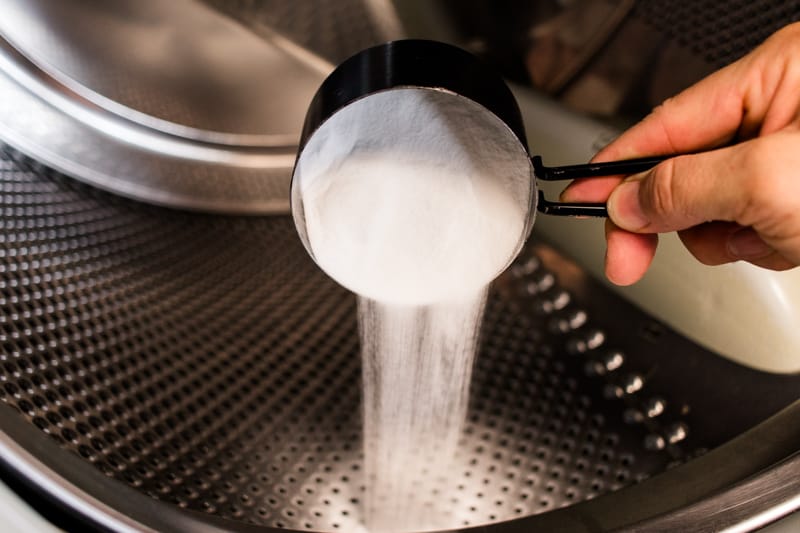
x=704 y=116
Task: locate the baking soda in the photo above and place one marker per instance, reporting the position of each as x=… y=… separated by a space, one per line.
x=415 y=200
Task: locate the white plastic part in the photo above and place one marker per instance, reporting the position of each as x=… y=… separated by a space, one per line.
x=745 y=313
x=16 y=516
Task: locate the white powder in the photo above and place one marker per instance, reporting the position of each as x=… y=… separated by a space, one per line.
x=417 y=369
x=413 y=196
x=415 y=200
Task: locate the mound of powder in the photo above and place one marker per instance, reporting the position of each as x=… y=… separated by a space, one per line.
x=413 y=196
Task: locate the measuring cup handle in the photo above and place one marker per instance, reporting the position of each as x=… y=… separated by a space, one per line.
x=589 y=170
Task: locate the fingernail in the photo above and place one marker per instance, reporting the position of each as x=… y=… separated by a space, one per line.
x=746 y=244
x=624 y=208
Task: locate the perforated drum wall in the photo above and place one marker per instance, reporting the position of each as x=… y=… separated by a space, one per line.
x=719 y=32
x=206 y=362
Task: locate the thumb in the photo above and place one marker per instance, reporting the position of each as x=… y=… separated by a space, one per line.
x=685 y=191
x=752 y=184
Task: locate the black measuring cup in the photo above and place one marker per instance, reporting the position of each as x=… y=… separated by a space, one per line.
x=476 y=100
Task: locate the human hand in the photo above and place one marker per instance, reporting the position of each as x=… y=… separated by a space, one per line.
x=737 y=200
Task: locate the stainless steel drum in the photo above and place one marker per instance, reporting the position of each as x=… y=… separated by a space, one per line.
x=185 y=369
x=169 y=370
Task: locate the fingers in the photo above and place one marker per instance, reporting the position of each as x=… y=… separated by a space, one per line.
x=717 y=243
x=774 y=261
x=747 y=189
x=628 y=255
x=729 y=103
x=751 y=183
x=590 y=189
x=685 y=192
x=747 y=245
x=676 y=126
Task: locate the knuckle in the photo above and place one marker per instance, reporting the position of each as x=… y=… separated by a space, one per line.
x=790 y=33
x=784 y=41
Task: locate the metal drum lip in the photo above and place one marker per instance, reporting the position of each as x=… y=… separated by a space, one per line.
x=234 y=140
x=119 y=507
x=55 y=86
x=777 y=494
x=34 y=87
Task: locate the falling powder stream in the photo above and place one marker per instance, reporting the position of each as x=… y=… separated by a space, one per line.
x=417 y=367
x=415 y=200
